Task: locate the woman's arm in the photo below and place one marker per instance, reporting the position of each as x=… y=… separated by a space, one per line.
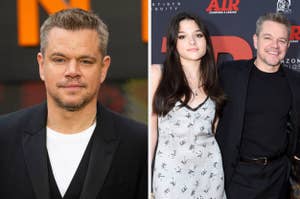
x=155 y=76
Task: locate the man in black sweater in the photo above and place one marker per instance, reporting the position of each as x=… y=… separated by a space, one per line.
x=258 y=129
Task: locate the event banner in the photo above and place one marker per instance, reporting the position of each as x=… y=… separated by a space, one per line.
x=231 y=24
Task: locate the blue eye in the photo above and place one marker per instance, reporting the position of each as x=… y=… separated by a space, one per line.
x=283 y=42
x=86 y=62
x=58 y=60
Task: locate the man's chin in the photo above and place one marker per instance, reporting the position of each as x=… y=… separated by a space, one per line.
x=274 y=63
x=72 y=106
x=71 y=103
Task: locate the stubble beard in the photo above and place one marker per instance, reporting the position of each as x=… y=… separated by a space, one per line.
x=72 y=107
x=269 y=62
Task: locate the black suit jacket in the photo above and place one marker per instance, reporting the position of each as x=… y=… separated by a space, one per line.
x=117 y=166
x=234 y=78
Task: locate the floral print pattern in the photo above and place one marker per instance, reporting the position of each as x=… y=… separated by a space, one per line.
x=188 y=161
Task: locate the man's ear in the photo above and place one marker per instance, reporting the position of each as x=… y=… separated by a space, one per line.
x=104 y=67
x=255 y=41
x=40 y=60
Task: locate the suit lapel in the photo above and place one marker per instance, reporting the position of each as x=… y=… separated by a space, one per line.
x=293 y=119
x=35 y=153
x=241 y=92
x=105 y=144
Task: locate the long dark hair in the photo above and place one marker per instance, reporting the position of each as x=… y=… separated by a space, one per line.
x=173 y=85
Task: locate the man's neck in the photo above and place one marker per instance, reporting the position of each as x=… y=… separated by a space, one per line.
x=69 y=122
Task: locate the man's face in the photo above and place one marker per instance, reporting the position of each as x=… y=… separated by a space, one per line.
x=271 y=44
x=72 y=68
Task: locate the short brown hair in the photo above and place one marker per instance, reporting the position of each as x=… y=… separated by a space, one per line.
x=75 y=19
x=275 y=17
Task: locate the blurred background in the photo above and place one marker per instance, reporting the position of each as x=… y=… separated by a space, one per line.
x=125 y=89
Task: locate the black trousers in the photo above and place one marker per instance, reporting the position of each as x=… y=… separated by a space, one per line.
x=255 y=181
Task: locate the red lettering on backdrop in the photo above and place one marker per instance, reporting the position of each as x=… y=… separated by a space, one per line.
x=213 y=6
x=233 y=5
x=224 y=5
x=236 y=46
x=295 y=33
x=227 y=5
x=164 y=45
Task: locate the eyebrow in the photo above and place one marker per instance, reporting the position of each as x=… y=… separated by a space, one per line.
x=198 y=30
x=80 y=57
x=88 y=57
x=268 y=34
x=57 y=54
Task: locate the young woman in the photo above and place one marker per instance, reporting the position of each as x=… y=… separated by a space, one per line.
x=186 y=101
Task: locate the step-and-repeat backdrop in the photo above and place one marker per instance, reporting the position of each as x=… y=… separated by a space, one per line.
x=231 y=24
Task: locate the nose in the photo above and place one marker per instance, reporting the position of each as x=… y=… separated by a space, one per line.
x=275 y=43
x=72 y=69
x=192 y=40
